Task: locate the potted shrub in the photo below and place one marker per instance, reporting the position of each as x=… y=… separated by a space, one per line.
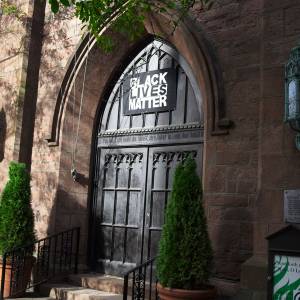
x=185 y=254
x=16 y=229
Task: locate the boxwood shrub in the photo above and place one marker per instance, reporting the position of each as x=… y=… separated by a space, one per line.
x=16 y=215
x=185 y=253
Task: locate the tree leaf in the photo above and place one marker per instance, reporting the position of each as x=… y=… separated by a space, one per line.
x=123 y=16
x=65 y=2
x=54 y=6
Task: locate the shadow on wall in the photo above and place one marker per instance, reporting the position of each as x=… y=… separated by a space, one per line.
x=3 y=127
x=70 y=209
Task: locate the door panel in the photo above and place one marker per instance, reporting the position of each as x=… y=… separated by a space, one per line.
x=120 y=208
x=161 y=168
x=128 y=224
x=133 y=183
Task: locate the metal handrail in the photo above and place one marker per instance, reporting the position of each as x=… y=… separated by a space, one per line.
x=142 y=276
x=54 y=255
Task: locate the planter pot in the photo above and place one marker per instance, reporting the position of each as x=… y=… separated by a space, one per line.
x=179 y=294
x=15 y=284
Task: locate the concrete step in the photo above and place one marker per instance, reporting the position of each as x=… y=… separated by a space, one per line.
x=44 y=289
x=106 y=283
x=31 y=296
x=69 y=292
x=101 y=282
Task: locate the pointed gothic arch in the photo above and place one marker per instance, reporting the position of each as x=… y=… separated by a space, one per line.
x=136 y=155
x=192 y=45
x=102 y=72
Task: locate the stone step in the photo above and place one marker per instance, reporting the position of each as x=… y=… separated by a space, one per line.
x=96 y=281
x=31 y=296
x=69 y=292
x=45 y=288
x=107 y=283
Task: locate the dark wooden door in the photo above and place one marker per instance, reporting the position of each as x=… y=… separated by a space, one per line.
x=119 y=221
x=135 y=159
x=134 y=186
x=161 y=168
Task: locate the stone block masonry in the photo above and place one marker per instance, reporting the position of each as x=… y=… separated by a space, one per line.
x=244 y=172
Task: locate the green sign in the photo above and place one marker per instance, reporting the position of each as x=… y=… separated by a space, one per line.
x=286 y=278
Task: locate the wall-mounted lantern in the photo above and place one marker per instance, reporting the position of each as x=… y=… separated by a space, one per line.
x=292 y=92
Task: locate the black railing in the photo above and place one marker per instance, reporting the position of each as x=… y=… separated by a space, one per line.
x=140 y=283
x=29 y=266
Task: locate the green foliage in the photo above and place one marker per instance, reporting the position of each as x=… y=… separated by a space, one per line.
x=124 y=16
x=16 y=216
x=9 y=9
x=185 y=253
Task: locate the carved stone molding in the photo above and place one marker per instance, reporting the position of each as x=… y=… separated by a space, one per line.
x=137 y=131
x=118 y=158
x=189 y=42
x=168 y=157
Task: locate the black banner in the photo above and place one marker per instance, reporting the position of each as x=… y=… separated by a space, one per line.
x=152 y=91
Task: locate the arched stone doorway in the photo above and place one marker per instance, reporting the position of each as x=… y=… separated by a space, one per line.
x=75 y=198
x=151 y=120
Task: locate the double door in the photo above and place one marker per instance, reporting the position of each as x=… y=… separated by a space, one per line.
x=132 y=193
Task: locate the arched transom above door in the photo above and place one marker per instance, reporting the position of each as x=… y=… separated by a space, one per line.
x=156 y=96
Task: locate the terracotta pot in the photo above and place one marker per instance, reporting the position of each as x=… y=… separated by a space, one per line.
x=18 y=289
x=179 y=294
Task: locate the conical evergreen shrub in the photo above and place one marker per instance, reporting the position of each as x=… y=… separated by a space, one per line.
x=185 y=253
x=16 y=215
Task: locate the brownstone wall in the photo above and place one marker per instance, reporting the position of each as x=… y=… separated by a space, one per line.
x=61 y=36
x=13 y=54
x=233 y=28
x=245 y=172
x=279 y=163
x=248 y=170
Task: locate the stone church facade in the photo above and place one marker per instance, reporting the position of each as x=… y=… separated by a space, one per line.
x=55 y=85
